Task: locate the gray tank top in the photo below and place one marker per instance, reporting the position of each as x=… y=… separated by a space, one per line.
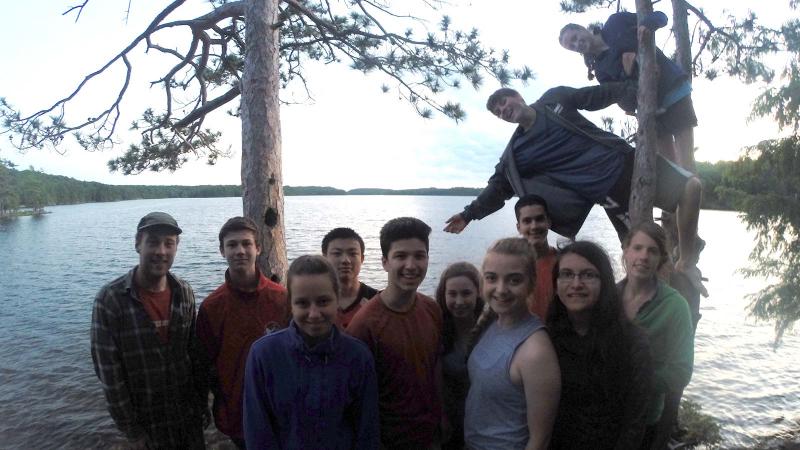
x=495 y=416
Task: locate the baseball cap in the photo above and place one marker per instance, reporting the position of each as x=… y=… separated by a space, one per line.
x=158 y=218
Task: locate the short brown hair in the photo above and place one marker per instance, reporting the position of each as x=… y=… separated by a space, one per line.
x=239 y=223
x=654 y=232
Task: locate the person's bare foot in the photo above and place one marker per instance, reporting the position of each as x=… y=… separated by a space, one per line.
x=693 y=274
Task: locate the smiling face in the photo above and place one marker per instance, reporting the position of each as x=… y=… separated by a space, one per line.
x=314 y=304
x=406 y=264
x=345 y=256
x=460 y=296
x=507 y=283
x=240 y=249
x=577 y=40
x=510 y=108
x=641 y=257
x=157 y=248
x=578 y=285
x=533 y=225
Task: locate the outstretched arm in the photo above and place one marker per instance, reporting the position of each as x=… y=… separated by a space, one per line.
x=491 y=199
x=591 y=98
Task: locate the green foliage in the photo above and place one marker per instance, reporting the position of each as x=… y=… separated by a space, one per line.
x=712 y=176
x=36 y=190
x=700 y=429
x=370 y=37
x=579 y=6
x=782 y=102
x=765 y=186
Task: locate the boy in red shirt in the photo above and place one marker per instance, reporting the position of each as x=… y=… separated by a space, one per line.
x=244 y=308
x=402 y=329
x=533 y=224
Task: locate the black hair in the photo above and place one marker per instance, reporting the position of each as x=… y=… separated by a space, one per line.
x=499 y=95
x=403 y=228
x=341 y=233
x=530 y=200
x=610 y=334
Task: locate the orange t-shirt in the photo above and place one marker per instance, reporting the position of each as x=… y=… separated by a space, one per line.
x=543 y=294
x=157 y=305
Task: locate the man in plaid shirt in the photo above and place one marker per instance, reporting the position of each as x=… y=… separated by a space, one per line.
x=143 y=345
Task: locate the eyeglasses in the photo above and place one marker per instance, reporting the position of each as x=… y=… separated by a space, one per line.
x=587 y=276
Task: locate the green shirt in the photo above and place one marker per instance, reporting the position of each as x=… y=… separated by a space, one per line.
x=666 y=320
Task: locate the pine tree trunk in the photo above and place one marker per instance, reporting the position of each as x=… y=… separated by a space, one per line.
x=680 y=28
x=643 y=184
x=262 y=181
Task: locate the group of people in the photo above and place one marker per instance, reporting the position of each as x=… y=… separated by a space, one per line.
x=539 y=348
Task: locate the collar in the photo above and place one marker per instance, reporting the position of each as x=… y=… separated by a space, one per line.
x=324 y=348
x=129 y=284
x=263 y=283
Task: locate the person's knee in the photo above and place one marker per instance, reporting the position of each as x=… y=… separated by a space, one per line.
x=693 y=186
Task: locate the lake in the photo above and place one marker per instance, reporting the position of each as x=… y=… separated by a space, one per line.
x=52 y=266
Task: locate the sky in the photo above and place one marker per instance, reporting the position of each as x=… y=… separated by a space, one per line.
x=349 y=134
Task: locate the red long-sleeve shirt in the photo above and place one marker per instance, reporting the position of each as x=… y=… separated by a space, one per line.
x=228 y=323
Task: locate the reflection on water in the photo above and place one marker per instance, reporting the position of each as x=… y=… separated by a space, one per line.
x=51 y=268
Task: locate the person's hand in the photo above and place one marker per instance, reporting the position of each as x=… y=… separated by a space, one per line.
x=455 y=224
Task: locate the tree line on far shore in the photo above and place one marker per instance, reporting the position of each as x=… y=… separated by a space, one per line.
x=33 y=190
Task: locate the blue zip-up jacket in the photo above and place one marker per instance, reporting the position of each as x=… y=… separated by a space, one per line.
x=619 y=33
x=296 y=397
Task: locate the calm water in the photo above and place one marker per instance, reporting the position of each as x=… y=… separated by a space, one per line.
x=52 y=266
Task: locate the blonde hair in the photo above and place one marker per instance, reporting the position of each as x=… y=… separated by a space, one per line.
x=515 y=246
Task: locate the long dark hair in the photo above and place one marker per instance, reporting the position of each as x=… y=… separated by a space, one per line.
x=459 y=269
x=610 y=333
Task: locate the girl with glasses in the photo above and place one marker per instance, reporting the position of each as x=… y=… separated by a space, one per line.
x=604 y=359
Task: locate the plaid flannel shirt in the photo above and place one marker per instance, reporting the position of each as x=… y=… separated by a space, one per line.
x=151 y=388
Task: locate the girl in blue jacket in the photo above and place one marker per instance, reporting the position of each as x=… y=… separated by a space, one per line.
x=309 y=385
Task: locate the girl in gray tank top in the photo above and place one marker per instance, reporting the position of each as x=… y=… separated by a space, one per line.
x=513 y=368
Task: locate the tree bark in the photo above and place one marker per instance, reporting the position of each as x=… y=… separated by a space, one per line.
x=680 y=27
x=262 y=180
x=643 y=184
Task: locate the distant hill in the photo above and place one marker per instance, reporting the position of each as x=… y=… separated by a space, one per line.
x=37 y=189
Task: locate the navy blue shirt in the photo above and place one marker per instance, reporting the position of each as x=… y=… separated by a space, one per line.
x=619 y=33
x=579 y=163
x=324 y=397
